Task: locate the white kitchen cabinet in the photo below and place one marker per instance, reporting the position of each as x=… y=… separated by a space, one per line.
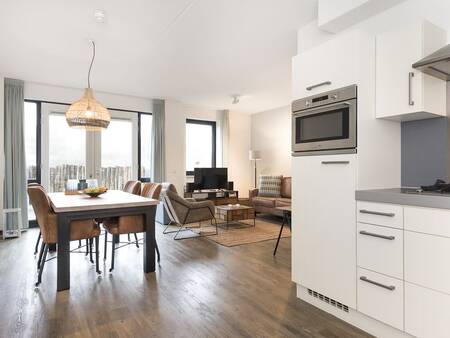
x=334 y=64
x=381 y=297
x=427 y=312
x=324 y=225
x=380 y=249
x=390 y=215
x=427 y=260
x=403 y=93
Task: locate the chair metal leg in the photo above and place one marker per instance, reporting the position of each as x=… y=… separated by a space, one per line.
x=79 y=243
x=41 y=268
x=157 y=251
x=91 y=240
x=113 y=245
x=40 y=255
x=106 y=242
x=135 y=237
x=129 y=238
x=87 y=247
x=97 y=247
x=279 y=236
x=37 y=243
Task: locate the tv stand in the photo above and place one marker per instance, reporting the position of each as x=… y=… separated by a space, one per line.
x=218 y=196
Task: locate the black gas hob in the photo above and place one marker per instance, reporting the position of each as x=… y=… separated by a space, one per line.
x=439 y=186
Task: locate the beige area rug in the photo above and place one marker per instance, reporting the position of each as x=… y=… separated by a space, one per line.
x=240 y=234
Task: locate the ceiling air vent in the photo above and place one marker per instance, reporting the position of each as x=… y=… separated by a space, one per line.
x=327 y=300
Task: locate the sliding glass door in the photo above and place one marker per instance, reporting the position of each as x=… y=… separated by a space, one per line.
x=110 y=156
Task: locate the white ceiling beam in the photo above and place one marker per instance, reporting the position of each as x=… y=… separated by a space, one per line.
x=335 y=16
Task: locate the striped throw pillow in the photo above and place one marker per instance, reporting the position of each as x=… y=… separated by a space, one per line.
x=270 y=185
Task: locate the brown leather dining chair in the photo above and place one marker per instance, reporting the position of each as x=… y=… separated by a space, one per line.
x=130 y=224
x=48 y=224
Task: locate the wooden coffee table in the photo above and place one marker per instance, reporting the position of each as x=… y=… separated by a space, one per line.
x=234 y=214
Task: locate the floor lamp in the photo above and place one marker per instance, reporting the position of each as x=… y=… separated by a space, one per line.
x=254 y=155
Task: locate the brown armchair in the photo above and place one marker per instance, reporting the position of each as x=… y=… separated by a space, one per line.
x=48 y=224
x=130 y=224
x=183 y=212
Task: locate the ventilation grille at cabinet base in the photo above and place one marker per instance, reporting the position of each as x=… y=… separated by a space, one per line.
x=327 y=300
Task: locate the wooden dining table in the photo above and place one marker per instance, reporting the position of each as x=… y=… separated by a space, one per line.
x=113 y=203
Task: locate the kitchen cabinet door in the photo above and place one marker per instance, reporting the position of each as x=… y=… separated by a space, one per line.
x=403 y=93
x=331 y=65
x=324 y=225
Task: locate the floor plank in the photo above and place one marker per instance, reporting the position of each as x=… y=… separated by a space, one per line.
x=200 y=289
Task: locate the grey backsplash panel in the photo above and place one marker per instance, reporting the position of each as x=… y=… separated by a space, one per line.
x=425 y=151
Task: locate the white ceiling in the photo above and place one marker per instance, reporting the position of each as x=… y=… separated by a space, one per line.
x=199 y=52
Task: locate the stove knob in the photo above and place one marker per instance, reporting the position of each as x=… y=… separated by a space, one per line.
x=334 y=97
x=307 y=103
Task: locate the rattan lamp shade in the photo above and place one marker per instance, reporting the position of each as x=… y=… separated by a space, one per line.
x=88 y=113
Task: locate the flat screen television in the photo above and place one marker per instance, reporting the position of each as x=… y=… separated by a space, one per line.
x=210 y=178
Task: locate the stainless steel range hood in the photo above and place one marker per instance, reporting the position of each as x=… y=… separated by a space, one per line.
x=436 y=64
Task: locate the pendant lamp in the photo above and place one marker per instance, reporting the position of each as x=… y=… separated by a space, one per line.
x=87 y=113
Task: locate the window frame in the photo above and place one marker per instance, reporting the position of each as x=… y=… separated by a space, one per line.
x=38 y=141
x=213 y=143
x=139 y=147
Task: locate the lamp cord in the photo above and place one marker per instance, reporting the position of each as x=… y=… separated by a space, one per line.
x=92 y=62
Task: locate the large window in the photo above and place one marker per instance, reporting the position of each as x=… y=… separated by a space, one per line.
x=66 y=152
x=200 y=145
x=116 y=154
x=145 y=147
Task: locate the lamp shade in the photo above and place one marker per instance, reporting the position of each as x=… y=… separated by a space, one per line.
x=254 y=155
x=88 y=113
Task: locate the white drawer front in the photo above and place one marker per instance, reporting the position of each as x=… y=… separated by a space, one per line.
x=390 y=215
x=427 y=312
x=427 y=260
x=381 y=297
x=428 y=220
x=380 y=249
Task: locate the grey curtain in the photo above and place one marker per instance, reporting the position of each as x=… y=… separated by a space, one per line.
x=15 y=181
x=158 y=142
x=223 y=121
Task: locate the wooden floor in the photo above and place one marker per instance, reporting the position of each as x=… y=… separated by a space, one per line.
x=200 y=289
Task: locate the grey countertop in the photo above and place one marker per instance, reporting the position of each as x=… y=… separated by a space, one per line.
x=405 y=196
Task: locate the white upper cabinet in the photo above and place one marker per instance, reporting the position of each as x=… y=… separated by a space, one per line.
x=404 y=93
x=330 y=65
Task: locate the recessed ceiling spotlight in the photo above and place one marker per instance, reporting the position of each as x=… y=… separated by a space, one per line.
x=235 y=98
x=100 y=16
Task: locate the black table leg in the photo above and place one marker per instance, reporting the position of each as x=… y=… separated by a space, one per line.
x=149 y=240
x=279 y=235
x=52 y=247
x=63 y=258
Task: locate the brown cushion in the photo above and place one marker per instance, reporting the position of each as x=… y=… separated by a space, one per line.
x=282 y=202
x=268 y=202
x=286 y=185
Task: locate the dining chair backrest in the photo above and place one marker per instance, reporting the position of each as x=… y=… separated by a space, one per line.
x=132 y=187
x=41 y=206
x=151 y=190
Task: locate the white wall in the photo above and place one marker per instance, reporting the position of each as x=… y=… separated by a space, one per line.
x=271 y=135
x=436 y=11
x=239 y=166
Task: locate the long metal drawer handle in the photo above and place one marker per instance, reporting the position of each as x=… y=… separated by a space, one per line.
x=335 y=162
x=367 y=280
x=366 y=233
x=326 y=83
x=410 y=100
x=378 y=213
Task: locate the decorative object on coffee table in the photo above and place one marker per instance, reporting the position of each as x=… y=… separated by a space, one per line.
x=254 y=155
x=233 y=214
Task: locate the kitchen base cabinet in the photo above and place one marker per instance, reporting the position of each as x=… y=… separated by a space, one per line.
x=380 y=297
x=427 y=312
x=325 y=238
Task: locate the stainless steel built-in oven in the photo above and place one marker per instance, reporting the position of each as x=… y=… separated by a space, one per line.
x=325 y=122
